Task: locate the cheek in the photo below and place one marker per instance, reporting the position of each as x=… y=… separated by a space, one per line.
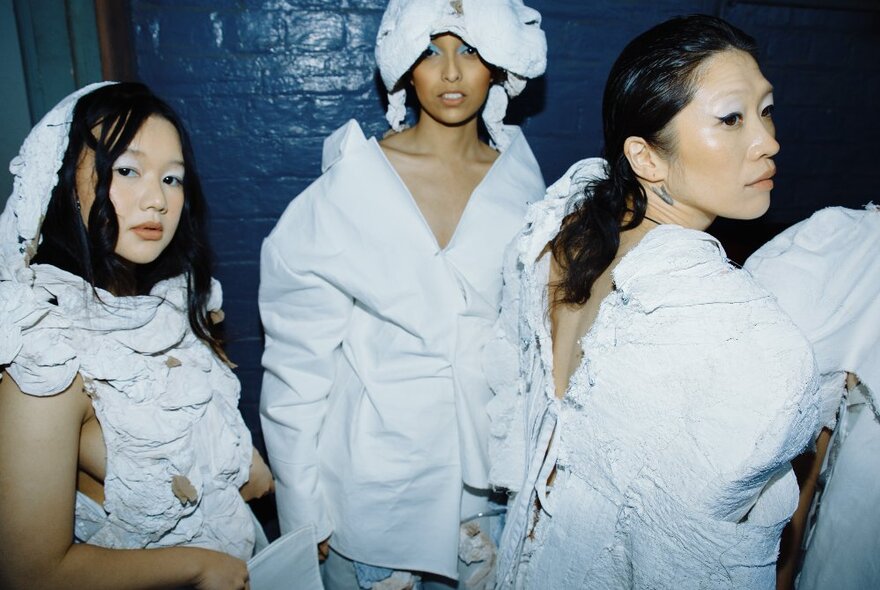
x=480 y=76
x=120 y=199
x=175 y=212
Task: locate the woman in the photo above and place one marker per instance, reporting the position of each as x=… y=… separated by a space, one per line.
x=824 y=273
x=663 y=392
x=380 y=284
x=119 y=426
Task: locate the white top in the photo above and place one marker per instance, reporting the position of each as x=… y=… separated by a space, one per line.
x=673 y=440
x=166 y=404
x=825 y=274
x=373 y=399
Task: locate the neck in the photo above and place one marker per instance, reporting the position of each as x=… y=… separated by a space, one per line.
x=678 y=213
x=450 y=142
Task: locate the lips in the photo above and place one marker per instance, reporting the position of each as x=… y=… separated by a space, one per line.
x=452 y=98
x=149 y=231
x=765 y=179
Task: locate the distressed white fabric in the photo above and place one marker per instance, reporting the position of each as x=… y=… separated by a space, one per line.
x=166 y=404
x=373 y=402
x=824 y=273
x=506 y=33
x=34 y=172
x=672 y=442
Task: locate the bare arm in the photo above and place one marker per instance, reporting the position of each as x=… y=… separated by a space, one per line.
x=39 y=447
x=259 y=481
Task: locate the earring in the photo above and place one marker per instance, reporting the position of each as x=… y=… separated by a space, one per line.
x=663 y=194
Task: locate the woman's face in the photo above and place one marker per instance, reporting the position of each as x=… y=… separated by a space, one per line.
x=451 y=81
x=146 y=190
x=724 y=142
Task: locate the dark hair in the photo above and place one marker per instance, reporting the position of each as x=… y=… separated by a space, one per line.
x=105 y=121
x=651 y=81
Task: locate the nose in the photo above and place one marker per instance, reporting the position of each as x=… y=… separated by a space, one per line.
x=154 y=197
x=451 y=70
x=764 y=144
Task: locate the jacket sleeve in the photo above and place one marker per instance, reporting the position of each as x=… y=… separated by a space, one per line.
x=304 y=317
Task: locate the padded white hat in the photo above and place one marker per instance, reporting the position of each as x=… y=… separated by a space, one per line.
x=506 y=33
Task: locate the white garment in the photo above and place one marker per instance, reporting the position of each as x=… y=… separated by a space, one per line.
x=825 y=274
x=673 y=440
x=373 y=401
x=167 y=406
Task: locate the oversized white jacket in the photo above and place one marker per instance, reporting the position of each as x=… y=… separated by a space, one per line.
x=373 y=401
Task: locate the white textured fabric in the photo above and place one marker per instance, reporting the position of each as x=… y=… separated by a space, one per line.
x=672 y=442
x=35 y=175
x=825 y=274
x=506 y=33
x=166 y=405
x=373 y=397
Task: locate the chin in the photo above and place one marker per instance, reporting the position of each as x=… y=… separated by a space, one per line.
x=140 y=256
x=752 y=208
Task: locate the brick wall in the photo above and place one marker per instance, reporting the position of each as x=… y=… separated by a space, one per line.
x=261 y=83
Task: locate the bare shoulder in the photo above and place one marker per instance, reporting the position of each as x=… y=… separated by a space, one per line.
x=71 y=404
x=487 y=155
x=399 y=142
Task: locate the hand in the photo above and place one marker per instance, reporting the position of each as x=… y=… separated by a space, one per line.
x=260 y=481
x=219 y=571
x=323 y=550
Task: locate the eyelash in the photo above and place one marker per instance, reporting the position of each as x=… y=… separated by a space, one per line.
x=731 y=120
x=734 y=119
x=462 y=50
x=170 y=180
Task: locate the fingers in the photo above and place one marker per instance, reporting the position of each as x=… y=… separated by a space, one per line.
x=323 y=551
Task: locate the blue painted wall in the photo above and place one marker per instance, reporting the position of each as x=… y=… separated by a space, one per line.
x=261 y=83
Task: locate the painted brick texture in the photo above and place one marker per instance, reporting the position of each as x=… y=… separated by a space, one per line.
x=261 y=83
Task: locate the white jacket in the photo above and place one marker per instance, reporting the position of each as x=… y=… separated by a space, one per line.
x=373 y=401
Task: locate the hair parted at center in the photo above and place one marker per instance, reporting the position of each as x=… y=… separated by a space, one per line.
x=652 y=80
x=106 y=121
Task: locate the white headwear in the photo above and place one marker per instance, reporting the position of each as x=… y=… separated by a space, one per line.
x=506 y=33
x=36 y=173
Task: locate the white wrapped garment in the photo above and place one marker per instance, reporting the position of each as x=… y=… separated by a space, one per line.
x=166 y=404
x=673 y=440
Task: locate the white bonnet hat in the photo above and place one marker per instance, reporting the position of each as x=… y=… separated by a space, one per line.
x=506 y=33
x=36 y=173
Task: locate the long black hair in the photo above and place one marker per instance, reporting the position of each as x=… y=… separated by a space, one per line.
x=105 y=121
x=651 y=81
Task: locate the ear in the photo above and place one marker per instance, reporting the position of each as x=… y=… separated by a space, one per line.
x=645 y=161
